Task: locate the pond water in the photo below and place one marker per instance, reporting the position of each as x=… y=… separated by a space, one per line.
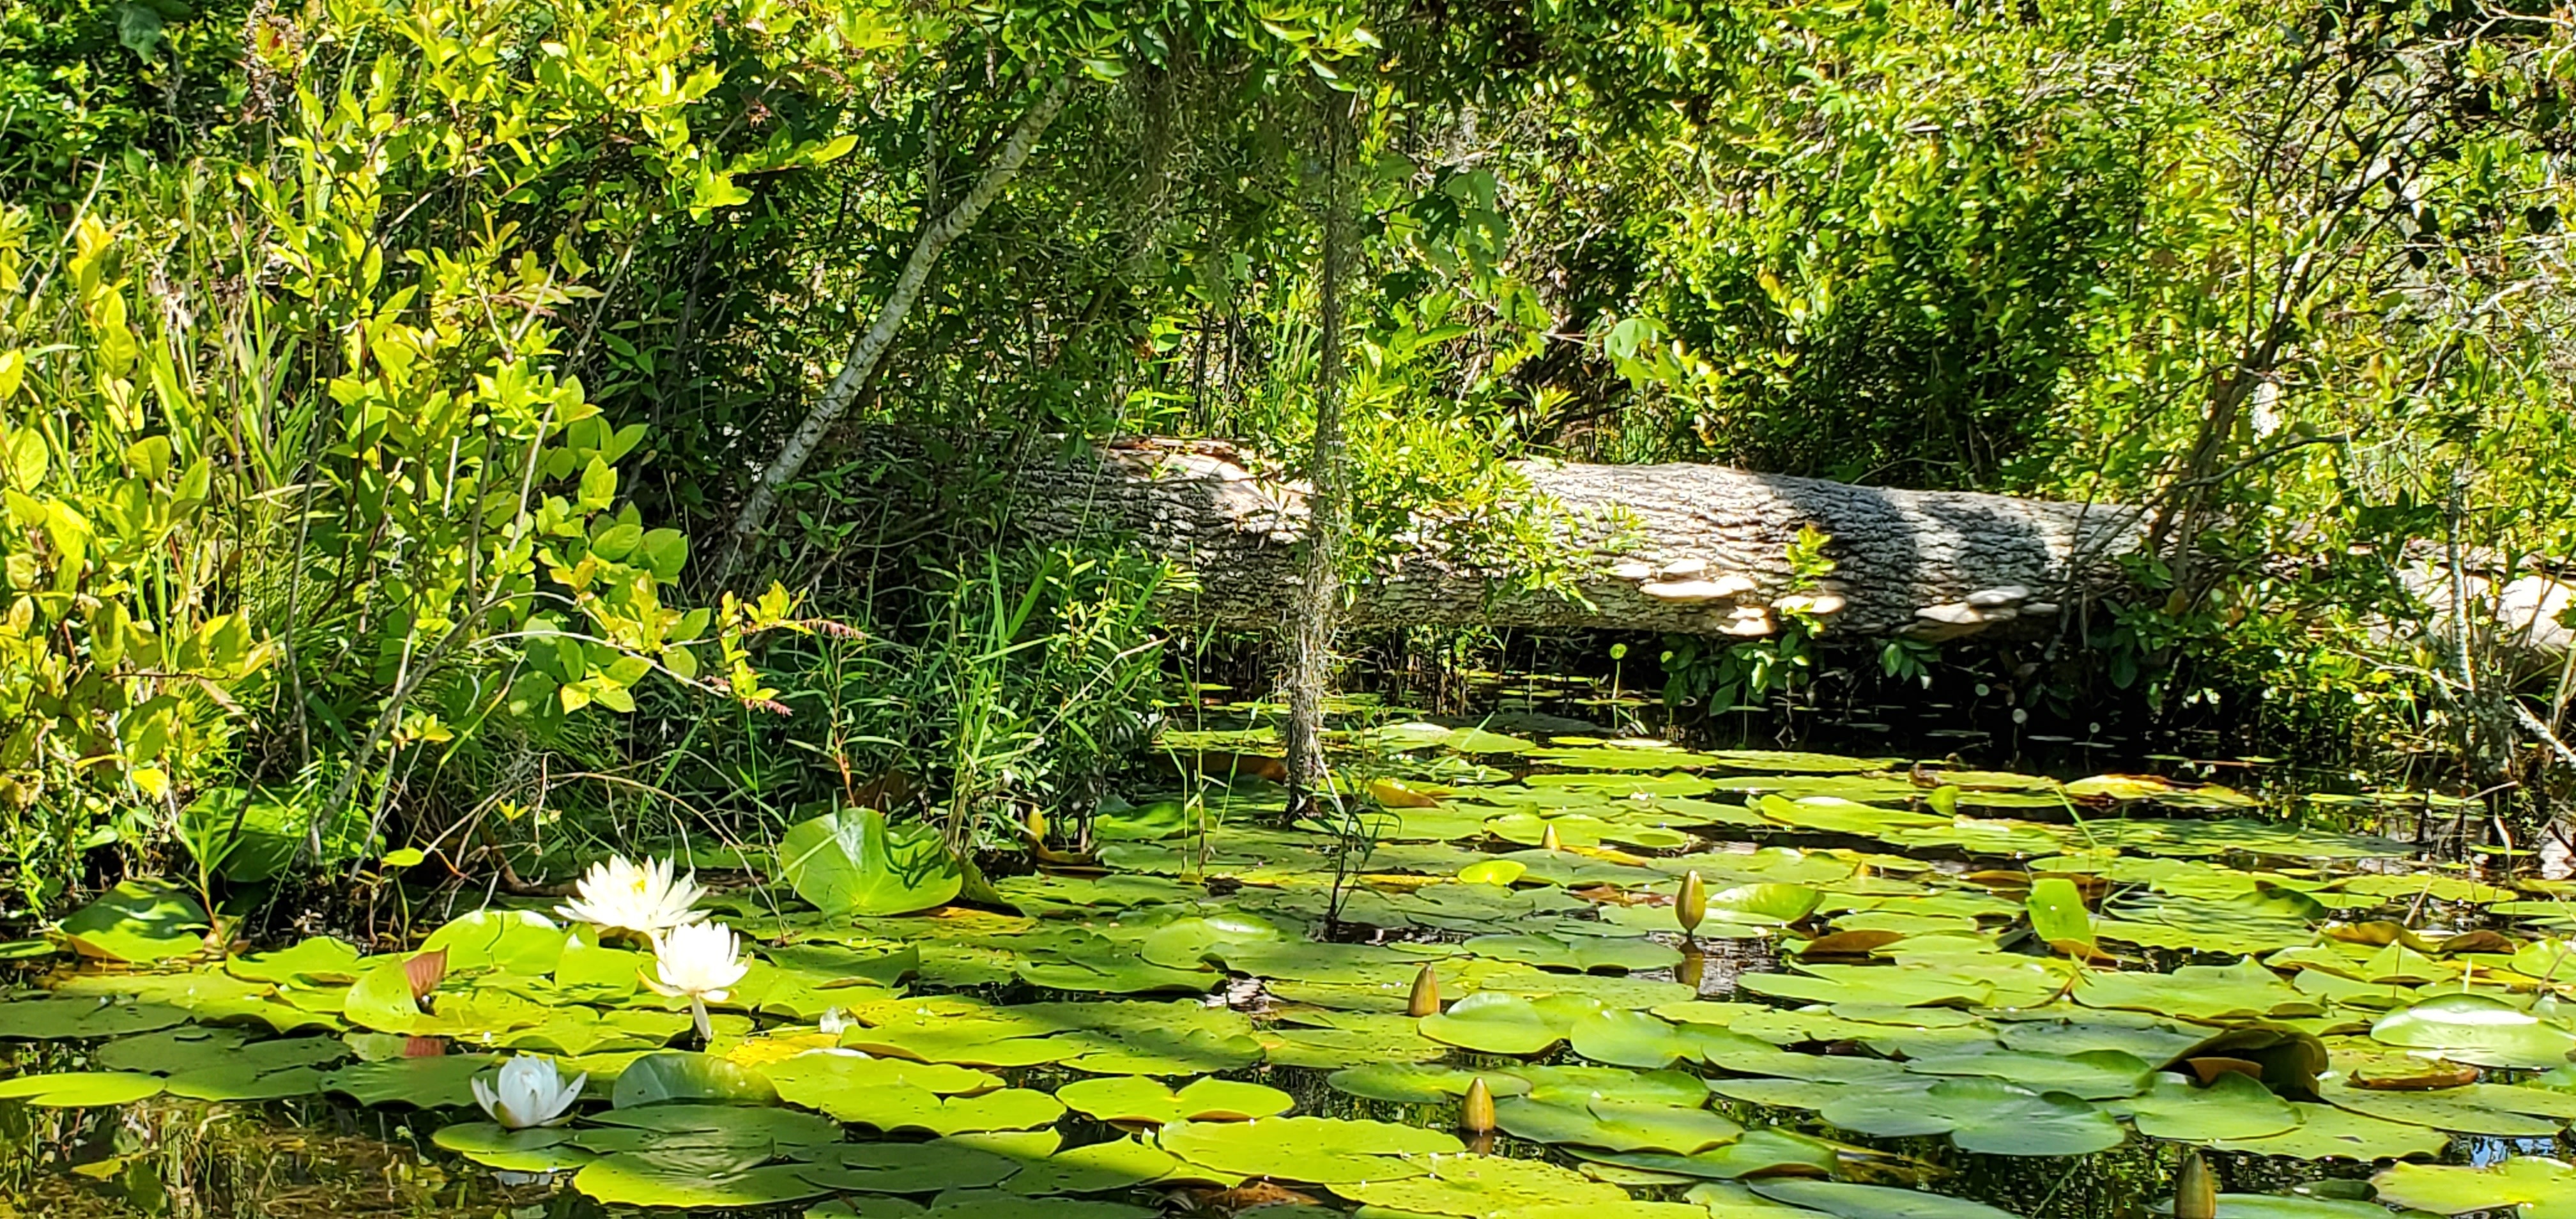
x=1909 y=990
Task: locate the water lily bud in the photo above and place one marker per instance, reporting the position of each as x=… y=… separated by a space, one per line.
x=1692 y=904
x=1547 y=839
x=1426 y=994
x=1037 y=825
x=424 y=973
x=1694 y=967
x=2195 y=1189
x=1476 y=1113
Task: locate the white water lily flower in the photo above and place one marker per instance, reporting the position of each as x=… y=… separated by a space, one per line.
x=700 y=962
x=647 y=898
x=530 y=1092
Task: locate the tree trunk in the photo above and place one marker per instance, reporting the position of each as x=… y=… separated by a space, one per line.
x=1689 y=548
x=935 y=239
x=1319 y=591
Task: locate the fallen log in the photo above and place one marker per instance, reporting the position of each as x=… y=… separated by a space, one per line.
x=1688 y=548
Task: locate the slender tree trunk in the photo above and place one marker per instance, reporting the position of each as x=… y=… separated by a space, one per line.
x=870 y=349
x=1318 y=603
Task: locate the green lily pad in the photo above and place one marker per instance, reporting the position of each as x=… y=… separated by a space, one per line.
x=511 y=941
x=1635 y=1039
x=2532 y=1185
x=1320 y=1150
x=2210 y=993
x=2477 y=1029
x=439 y=1081
x=139 y=922
x=2091 y=1074
x=2326 y=1132
x=1845 y=1200
x=1617 y=1126
x=904 y=1168
x=2233 y=1106
x=62 y=1019
x=1405 y=1083
x=851 y=862
x=538 y=1150
x=81 y=1089
x=658 y=1079
x=1491 y=1023
x=1476 y=1185
x=1144 y=1101
x=693 y=1178
x=1986 y=1115
x=2455 y=1109
x=1121 y=1164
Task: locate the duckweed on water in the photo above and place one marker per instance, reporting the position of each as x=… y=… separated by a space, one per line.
x=1879 y=960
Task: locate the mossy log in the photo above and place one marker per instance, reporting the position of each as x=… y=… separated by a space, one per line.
x=1691 y=548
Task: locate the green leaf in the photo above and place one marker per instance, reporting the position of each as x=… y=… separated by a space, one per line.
x=672 y=1076
x=81 y=1089
x=849 y=862
x=139 y=922
x=2533 y=1185
x=1847 y=1201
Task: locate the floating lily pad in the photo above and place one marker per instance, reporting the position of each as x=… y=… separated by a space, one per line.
x=694 y=1178
x=2327 y=1132
x=139 y=922
x=851 y=862
x=2232 y=1106
x=1986 y=1115
x=1848 y=1201
x=1144 y=1101
x=1483 y=1185
x=1405 y=1083
x=2533 y=1185
x=1617 y=1126
x=662 y=1078
x=1491 y=1023
x=2477 y=1029
x=904 y=1168
x=81 y=1089
x=1121 y=1164
x=1321 y=1150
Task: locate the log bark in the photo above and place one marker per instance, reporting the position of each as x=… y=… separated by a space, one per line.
x=1688 y=548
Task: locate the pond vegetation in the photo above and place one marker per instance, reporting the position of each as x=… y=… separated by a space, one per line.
x=1749 y=609
x=1516 y=974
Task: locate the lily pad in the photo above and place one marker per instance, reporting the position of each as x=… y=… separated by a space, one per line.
x=1986 y=1115
x=1617 y=1126
x=2533 y=1185
x=139 y=922
x=1143 y=1101
x=2477 y=1029
x=2233 y=1106
x=851 y=862
x=1849 y=1201
x=1321 y=1150
x=81 y=1089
